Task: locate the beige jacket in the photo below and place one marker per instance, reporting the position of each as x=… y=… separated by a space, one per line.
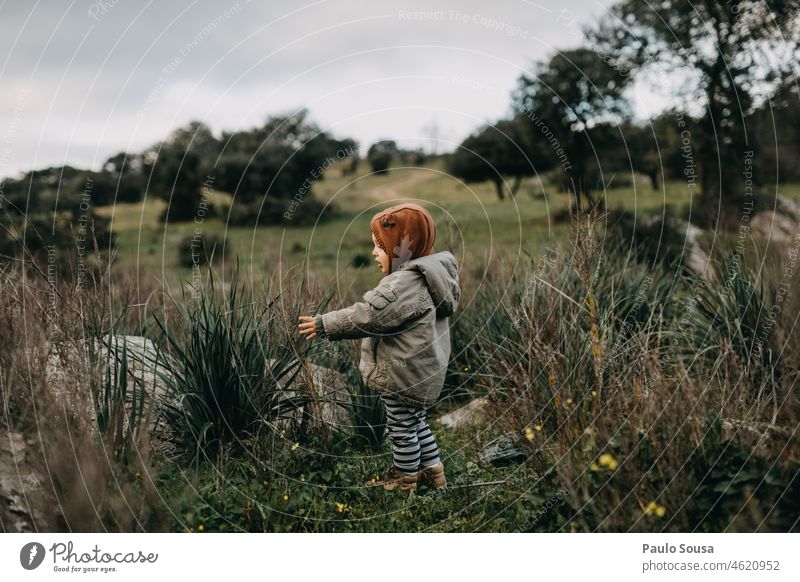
x=405 y=323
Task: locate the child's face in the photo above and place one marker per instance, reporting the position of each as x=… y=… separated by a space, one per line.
x=380 y=256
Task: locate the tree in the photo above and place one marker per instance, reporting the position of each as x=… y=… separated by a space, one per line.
x=493 y=153
x=732 y=48
x=380 y=155
x=777 y=132
x=125 y=170
x=182 y=169
x=270 y=169
x=576 y=91
x=49 y=216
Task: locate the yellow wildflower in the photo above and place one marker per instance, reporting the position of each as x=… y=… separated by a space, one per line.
x=594 y=467
x=286 y=498
x=654 y=508
x=342 y=507
x=201 y=527
x=608 y=461
x=537 y=427
x=569 y=400
x=594 y=392
x=295 y=446
x=528 y=433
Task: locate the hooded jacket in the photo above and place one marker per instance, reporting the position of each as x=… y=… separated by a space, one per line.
x=405 y=324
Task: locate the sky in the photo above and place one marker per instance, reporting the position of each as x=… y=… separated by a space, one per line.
x=86 y=79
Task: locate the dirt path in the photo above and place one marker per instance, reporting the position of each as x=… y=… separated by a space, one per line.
x=402 y=187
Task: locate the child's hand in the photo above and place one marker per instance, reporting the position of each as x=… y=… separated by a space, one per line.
x=309 y=328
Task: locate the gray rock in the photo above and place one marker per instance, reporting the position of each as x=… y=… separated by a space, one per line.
x=67 y=364
x=26 y=504
x=773 y=225
x=327 y=389
x=473 y=412
x=501 y=451
x=694 y=257
x=789 y=207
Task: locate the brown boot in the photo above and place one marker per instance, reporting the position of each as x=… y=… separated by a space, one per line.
x=394 y=479
x=432 y=477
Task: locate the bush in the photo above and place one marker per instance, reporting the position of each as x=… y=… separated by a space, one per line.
x=229 y=374
x=652 y=239
x=199 y=250
x=285 y=211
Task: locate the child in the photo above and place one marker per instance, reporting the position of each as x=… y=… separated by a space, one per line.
x=406 y=329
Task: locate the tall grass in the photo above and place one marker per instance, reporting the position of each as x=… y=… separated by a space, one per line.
x=67 y=471
x=228 y=370
x=122 y=408
x=639 y=396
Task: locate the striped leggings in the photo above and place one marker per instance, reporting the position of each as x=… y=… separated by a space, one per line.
x=413 y=444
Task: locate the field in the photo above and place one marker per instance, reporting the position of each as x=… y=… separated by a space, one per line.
x=633 y=397
x=470 y=218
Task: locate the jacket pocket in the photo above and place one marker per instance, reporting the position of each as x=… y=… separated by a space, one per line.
x=380 y=298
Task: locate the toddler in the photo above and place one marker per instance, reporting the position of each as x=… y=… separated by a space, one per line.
x=405 y=326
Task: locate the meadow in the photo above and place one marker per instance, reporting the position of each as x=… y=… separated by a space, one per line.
x=470 y=218
x=635 y=395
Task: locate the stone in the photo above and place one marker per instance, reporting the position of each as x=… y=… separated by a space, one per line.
x=327 y=386
x=694 y=257
x=501 y=451
x=471 y=413
x=26 y=505
x=773 y=225
x=72 y=391
x=789 y=207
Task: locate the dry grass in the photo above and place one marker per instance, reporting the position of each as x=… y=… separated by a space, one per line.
x=649 y=420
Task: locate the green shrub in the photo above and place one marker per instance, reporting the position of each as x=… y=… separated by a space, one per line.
x=229 y=374
x=201 y=249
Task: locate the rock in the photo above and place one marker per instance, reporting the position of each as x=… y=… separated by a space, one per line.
x=473 y=412
x=26 y=505
x=325 y=384
x=144 y=361
x=694 y=257
x=788 y=207
x=773 y=225
x=66 y=367
x=501 y=451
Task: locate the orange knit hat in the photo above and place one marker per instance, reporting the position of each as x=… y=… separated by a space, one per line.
x=404 y=232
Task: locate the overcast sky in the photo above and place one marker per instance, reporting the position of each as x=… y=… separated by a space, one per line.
x=83 y=80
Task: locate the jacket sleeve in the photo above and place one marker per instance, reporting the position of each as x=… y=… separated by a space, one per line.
x=380 y=312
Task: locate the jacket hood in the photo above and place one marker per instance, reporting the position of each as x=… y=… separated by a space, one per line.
x=441 y=275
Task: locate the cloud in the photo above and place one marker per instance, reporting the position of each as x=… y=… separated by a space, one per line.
x=104 y=75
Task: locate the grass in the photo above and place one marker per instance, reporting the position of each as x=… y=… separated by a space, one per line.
x=475 y=221
x=632 y=393
x=319 y=493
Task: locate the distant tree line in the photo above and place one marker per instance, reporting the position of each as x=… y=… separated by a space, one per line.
x=268 y=170
x=381 y=154
x=572 y=120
